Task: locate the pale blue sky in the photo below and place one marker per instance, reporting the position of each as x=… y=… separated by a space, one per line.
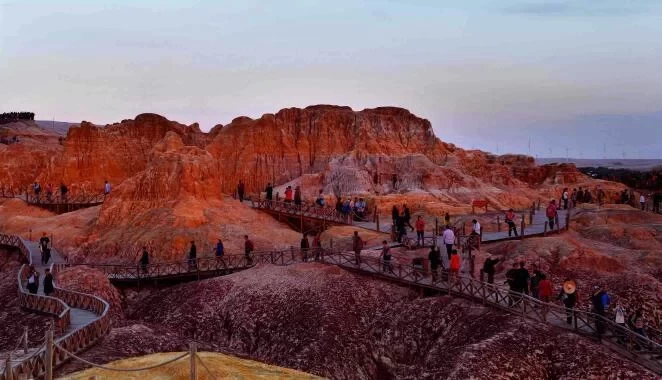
x=576 y=74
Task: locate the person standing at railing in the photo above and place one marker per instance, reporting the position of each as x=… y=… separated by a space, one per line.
x=545 y=293
x=48 y=282
x=564 y=198
x=192 y=256
x=248 y=248
x=43 y=246
x=106 y=188
x=420 y=231
x=395 y=213
x=489 y=268
x=63 y=192
x=220 y=251
x=573 y=198
x=449 y=239
x=320 y=198
x=455 y=265
x=305 y=246
x=288 y=194
x=144 y=260
x=619 y=318
x=435 y=259
x=535 y=282
x=642 y=202
x=385 y=257
x=522 y=278
x=269 y=191
x=357 y=246
x=36 y=188
x=510 y=221
x=600 y=303
x=317 y=245
x=400 y=227
x=511 y=280
x=407 y=216
x=33 y=280
x=49 y=193
x=241 y=188
x=551 y=213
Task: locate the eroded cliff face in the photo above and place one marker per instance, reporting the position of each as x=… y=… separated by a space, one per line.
x=116 y=152
x=278 y=148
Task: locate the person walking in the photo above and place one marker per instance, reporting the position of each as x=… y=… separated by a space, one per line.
x=512 y=281
x=269 y=191
x=248 y=249
x=305 y=246
x=489 y=267
x=598 y=308
x=535 y=282
x=106 y=188
x=47 y=255
x=220 y=251
x=400 y=227
x=565 y=197
x=522 y=278
x=573 y=198
x=43 y=246
x=36 y=188
x=407 y=217
x=638 y=322
x=357 y=246
x=568 y=296
x=510 y=220
x=642 y=202
x=447 y=218
x=545 y=293
x=455 y=265
x=420 y=231
x=395 y=214
x=619 y=318
x=320 y=198
x=385 y=256
x=475 y=227
x=144 y=260
x=49 y=192
x=289 y=196
x=551 y=214
x=33 y=280
x=241 y=188
x=49 y=288
x=63 y=192
x=435 y=259
x=192 y=256
x=449 y=240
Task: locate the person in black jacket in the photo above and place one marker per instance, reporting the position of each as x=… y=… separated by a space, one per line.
x=435 y=259
x=511 y=280
x=192 y=256
x=522 y=278
x=270 y=194
x=48 y=282
x=305 y=246
x=569 y=301
x=489 y=268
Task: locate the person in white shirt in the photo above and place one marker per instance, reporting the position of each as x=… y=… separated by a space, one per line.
x=106 y=188
x=449 y=240
x=475 y=230
x=642 y=201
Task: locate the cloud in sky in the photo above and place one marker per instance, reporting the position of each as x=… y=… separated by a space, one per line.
x=483 y=72
x=580 y=7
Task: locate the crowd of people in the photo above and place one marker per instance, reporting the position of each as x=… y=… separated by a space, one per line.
x=48 y=194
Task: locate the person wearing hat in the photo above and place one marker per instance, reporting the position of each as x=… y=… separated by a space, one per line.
x=598 y=307
x=568 y=296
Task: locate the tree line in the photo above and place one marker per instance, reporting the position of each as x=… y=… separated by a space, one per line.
x=8 y=117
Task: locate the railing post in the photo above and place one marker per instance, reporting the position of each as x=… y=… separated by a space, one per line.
x=25 y=340
x=531 y=217
x=521 y=236
x=567 y=221
x=544 y=233
x=377 y=219
x=498 y=224
x=193 y=353
x=48 y=359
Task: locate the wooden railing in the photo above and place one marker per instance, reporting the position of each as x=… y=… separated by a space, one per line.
x=74 y=341
x=306 y=210
x=71 y=199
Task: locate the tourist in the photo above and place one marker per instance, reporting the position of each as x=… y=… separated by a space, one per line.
x=598 y=308
x=522 y=278
x=46 y=255
x=535 y=282
x=435 y=259
x=317 y=245
x=407 y=217
x=447 y=218
x=48 y=282
x=420 y=231
x=346 y=207
x=565 y=197
x=568 y=296
x=642 y=202
x=240 y=190
x=511 y=280
x=269 y=190
x=357 y=246
x=510 y=221
x=637 y=322
x=475 y=227
x=320 y=198
x=619 y=318
x=395 y=214
x=339 y=205
x=63 y=192
x=588 y=197
x=144 y=260
x=288 y=194
x=449 y=240
x=489 y=267
x=220 y=251
x=192 y=256
x=352 y=204
x=248 y=248
x=545 y=294
x=49 y=192
x=551 y=214
x=580 y=195
x=106 y=188
x=573 y=198
x=33 y=280
x=455 y=265
x=305 y=246
x=385 y=256
x=37 y=191
x=297 y=196
x=43 y=246
x=360 y=209
x=400 y=227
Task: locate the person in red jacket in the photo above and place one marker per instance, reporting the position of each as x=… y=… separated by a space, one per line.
x=551 y=213
x=455 y=265
x=420 y=231
x=545 y=293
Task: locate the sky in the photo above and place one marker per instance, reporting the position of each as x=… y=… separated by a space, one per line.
x=581 y=78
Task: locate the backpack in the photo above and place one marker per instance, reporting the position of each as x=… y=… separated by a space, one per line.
x=551 y=211
x=605 y=300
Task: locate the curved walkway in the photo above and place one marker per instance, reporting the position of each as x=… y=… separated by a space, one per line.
x=80 y=319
